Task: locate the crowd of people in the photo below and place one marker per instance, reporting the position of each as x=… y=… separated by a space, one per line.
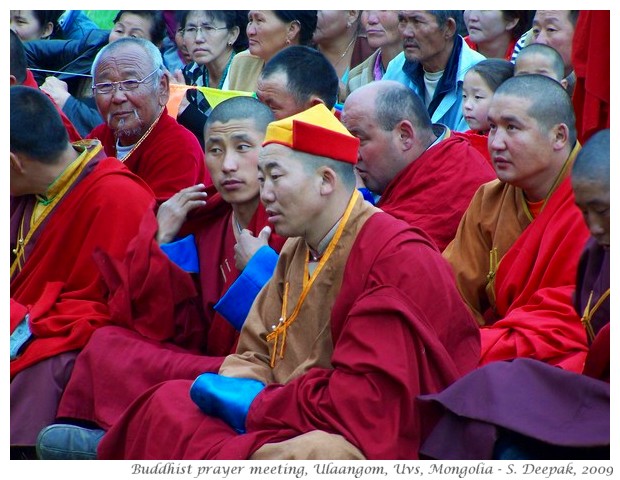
x=389 y=238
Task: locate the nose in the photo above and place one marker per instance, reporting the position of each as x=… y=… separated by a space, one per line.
x=542 y=38
x=467 y=103
x=406 y=30
x=267 y=195
x=372 y=18
x=496 y=140
x=250 y=30
x=230 y=163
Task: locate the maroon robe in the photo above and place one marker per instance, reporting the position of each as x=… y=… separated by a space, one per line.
x=434 y=190
x=59 y=284
x=168 y=326
x=168 y=160
x=392 y=339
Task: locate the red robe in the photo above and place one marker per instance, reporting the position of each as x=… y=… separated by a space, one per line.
x=168 y=160
x=392 y=340
x=166 y=323
x=534 y=287
x=74 y=135
x=434 y=190
x=479 y=141
x=60 y=284
x=591 y=62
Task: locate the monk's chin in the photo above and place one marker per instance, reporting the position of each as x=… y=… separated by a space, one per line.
x=128 y=136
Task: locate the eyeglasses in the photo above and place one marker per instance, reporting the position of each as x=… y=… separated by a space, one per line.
x=206 y=29
x=110 y=87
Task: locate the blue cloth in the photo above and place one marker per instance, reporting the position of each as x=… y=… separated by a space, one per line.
x=237 y=301
x=20 y=336
x=228 y=398
x=449 y=111
x=184 y=253
x=368 y=195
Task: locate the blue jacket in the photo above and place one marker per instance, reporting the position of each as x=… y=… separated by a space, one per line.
x=449 y=111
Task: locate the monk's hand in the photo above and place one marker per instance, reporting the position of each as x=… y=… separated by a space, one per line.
x=247 y=245
x=57 y=89
x=173 y=212
x=228 y=398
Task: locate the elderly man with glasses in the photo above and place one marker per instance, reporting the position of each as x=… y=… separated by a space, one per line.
x=131 y=89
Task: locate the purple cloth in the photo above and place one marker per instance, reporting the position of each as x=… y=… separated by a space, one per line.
x=35 y=394
x=526 y=396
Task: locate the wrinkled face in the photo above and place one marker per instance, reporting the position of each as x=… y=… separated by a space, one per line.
x=519 y=148
x=423 y=40
x=476 y=101
x=231 y=155
x=27 y=27
x=211 y=42
x=330 y=24
x=377 y=161
x=131 y=25
x=273 y=91
x=485 y=25
x=289 y=192
x=267 y=34
x=129 y=113
x=554 y=28
x=535 y=64
x=381 y=27
x=593 y=200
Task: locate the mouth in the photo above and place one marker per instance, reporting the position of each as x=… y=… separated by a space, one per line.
x=273 y=215
x=231 y=184
x=501 y=162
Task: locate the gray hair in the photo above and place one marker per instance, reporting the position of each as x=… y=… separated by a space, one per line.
x=149 y=48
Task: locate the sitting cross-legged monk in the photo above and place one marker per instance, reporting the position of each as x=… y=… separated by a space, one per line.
x=516 y=250
x=524 y=408
x=361 y=316
x=178 y=304
x=68 y=200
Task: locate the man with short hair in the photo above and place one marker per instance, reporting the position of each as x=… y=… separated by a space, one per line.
x=424 y=174
x=433 y=63
x=164 y=323
x=348 y=326
x=295 y=79
x=516 y=250
x=131 y=90
x=67 y=201
x=541 y=59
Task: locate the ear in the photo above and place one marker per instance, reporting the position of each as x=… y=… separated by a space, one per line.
x=314 y=100
x=47 y=30
x=450 y=28
x=560 y=136
x=406 y=134
x=163 y=89
x=328 y=180
x=13 y=80
x=16 y=163
x=511 y=24
x=293 y=32
x=352 y=17
x=233 y=34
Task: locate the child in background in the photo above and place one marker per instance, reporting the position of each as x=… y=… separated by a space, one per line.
x=479 y=84
x=541 y=59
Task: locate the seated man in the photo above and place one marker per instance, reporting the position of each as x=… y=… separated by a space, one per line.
x=131 y=90
x=516 y=250
x=295 y=79
x=167 y=327
x=541 y=59
x=425 y=175
x=358 y=331
x=551 y=414
x=433 y=63
x=67 y=201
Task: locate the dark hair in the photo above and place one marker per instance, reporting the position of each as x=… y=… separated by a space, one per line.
x=550 y=104
x=231 y=18
x=524 y=22
x=36 y=127
x=240 y=108
x=494 y=71
x=18 y=58
x=442 y=17
x=592 y=162
x=549 y=52
x=46 y=16
x=307 y=21
x=395 y=102
x=573 y=16
x=308 y=73
x=156 y=17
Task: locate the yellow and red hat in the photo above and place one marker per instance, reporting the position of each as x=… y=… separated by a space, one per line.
x=316 y=131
